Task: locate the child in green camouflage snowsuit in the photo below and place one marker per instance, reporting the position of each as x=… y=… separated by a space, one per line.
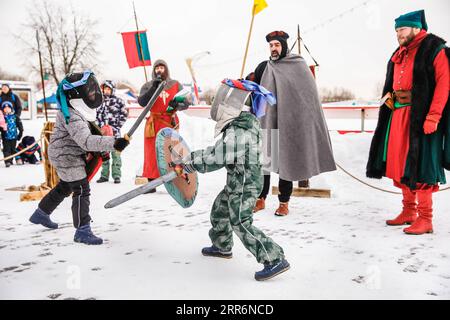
x=239 y=151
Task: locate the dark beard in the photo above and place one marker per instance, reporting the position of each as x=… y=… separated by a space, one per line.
x=162 y=75
x=409 y=38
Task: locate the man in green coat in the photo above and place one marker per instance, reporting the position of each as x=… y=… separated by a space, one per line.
x=411 y=144
x=239 y=151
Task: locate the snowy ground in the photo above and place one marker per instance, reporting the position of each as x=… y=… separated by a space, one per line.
x=339 y=248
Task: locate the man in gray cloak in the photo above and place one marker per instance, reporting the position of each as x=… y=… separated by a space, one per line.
x=297 y=145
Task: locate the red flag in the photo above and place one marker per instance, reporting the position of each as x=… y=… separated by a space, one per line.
x=137 y=56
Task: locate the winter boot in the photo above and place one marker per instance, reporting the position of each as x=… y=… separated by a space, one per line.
x=40 y=217
x=84 y=235
x=283 y=209
x=409 y=212
x=272 y=270
x=116 y=180
x=423 y=224
x=102 y=179
x=260 y=205
x=213 y=251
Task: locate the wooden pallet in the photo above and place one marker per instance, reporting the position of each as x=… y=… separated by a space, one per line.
x=33 y=195
x=307 y=192
x=24 y=188
x=33 y=192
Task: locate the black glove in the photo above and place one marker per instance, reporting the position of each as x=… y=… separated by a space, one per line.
x=157 y=81
x=173 y=103
x=120 y=144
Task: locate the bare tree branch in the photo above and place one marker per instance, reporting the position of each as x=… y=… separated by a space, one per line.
x=68 y=40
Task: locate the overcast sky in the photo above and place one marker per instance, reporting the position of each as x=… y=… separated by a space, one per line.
x=352 y=51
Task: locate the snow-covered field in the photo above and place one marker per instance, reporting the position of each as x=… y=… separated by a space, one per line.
x=338 y=248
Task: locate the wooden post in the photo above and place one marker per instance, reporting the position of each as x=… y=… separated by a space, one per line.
x=42 y=75
x=248 y=43
x=51 y=178
x=363 y=118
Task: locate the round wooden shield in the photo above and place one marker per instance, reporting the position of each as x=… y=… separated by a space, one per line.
x=170 y=145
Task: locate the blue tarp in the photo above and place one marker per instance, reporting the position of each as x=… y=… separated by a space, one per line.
x=51 y=99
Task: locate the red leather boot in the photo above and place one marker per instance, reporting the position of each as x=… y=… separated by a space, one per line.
x=283 y=209
x=260 y=205
x=423 y=224
x=409 y=212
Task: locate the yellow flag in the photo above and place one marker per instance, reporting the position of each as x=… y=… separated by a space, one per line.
x=258 y=6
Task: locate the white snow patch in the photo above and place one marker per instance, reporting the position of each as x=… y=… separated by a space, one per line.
x=338 y=248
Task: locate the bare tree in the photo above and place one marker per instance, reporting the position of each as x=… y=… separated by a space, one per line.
x=378 y=91
x=336 y=95
x=67 y=39
x=10 y=76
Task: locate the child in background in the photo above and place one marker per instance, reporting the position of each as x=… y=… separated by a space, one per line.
x=13 y=132
x=29 y=155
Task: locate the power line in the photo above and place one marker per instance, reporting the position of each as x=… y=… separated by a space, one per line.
x=314 y=28
x=338 y=16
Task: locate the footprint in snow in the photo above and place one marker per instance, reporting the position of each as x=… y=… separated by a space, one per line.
x=45 y=254
x=359 y=279
x=9 y=269
x=54 y=296
x=411 y=268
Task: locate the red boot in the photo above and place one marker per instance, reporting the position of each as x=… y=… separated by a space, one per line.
x=260 y=205
x=409 y=212
x=283 y=209
x=423 y=224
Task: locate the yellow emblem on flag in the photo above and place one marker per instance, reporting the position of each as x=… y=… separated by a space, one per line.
x=258 y=6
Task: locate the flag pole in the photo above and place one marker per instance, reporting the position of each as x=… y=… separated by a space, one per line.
x=139 y=42
x=299 y=40
x=248 y=42
x=42 y=75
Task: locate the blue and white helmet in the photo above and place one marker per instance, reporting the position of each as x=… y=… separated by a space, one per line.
x=110 y=84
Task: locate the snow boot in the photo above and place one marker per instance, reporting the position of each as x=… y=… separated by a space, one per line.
x=423 y=224
x=102 y=179
x=260 y=205
x=272 y=270
x=283 y=209
x=40 y=217
x=213 y=251
x=84 y=235
x=409 y=212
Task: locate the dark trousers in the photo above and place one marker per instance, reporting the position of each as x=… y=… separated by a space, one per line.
x=9 y=148
x=284 y=187
x=80 y=200
x=28 y=158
